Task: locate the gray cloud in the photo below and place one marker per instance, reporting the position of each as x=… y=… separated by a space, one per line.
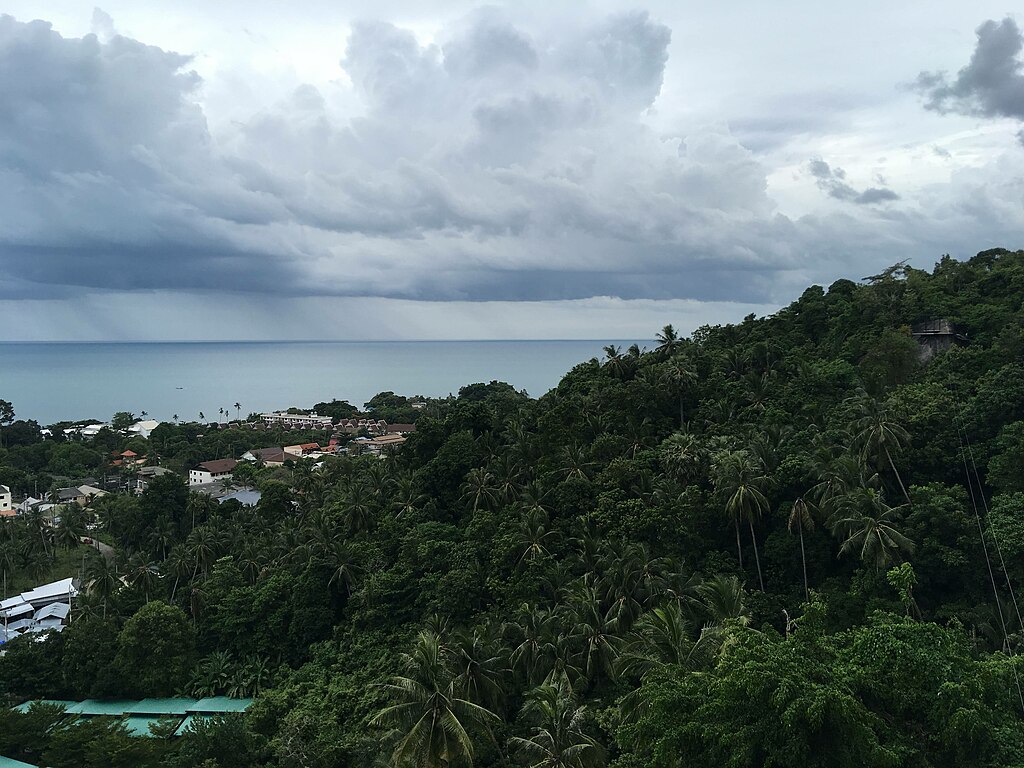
x=992 y=83
x=502 y=161
x=832 y=180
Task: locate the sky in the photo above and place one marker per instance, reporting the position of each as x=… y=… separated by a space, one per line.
x=450 y=170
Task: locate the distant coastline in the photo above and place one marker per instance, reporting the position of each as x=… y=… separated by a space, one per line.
x=53 y=381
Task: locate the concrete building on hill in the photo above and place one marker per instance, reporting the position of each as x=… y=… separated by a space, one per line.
x=211 y=471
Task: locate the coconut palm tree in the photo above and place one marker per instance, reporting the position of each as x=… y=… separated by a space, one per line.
x=722 y=599
x=618 y=365
x=533 y=536
x=480 y=669
x=556 y=736
x=102 y=578
x=533 y=637
x=68 y=533
x=143 y=575
x=682 y=456
x=800 y=518
x=869 y=527
x=668 y=341
x=202 y=546
x=661 y=637
x=346 y=567
x=479 y=490
x=739 y=481
x=8 y=561
x=877 y=434
x=430 y=721
x=593 y=637
x=175 y=418
x=576 y=461
x=680 y=375
x=407 y=498
x=238 y=411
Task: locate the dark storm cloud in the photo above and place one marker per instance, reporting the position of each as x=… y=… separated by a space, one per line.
x=832 y=180
x=992 y=83
x=497 y=162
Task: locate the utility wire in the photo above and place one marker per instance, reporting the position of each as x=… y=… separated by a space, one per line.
x=961 y=433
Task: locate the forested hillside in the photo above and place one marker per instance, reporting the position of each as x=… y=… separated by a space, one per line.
x=785 y=542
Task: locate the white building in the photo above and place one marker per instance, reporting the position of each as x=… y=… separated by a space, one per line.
x=211 y=471
x=143 y=428
x=38 y=610
x=301 y=420
x=6 y=504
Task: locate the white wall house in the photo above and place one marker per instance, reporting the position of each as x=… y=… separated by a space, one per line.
x=6 y=505
x=143 y=428
x=211 y=471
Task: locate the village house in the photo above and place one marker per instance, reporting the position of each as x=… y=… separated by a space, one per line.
x=145 y=476
x=73 y=495
x=211 y=471
x=143 y=428
x=399 y=429
x=375 y=446
x=263 y=454
x=6 y=504
x=372 y=426
x=302 y=450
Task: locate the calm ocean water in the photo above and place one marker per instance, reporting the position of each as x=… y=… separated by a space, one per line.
x=68 y=381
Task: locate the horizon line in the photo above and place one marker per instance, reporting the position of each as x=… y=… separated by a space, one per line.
x=297 y=341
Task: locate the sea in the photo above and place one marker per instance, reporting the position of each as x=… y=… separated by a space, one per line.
x=71 y=381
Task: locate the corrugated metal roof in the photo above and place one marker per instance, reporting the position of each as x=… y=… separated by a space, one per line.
x=24 y=706
x=96 y=707
x=10 y=762
x=140 y=725
x=187 y=722
x=174 y=706
x=215 y=704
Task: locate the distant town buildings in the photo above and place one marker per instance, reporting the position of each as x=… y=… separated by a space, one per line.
x=300 y=420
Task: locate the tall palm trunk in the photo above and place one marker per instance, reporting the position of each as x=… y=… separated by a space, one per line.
x=757 y=557
x=739 y=545
x=803 y=559
x=682 y=420
x=899 y=479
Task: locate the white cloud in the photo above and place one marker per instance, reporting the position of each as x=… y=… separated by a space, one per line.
x=507 y=156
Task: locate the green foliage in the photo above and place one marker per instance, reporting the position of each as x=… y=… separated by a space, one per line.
x=689 y=555
x=155 y=651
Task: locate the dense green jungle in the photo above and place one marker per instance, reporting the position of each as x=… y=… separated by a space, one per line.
x=791 y=541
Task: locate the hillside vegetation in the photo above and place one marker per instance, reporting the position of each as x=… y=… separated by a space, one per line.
x=785 y=542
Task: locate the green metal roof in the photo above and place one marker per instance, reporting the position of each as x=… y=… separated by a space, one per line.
x=24 y=706
x=95 y=707
x=10 y=762
x=216 y=704
x=139 y=725
x=187 y=722
x=176 y=706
